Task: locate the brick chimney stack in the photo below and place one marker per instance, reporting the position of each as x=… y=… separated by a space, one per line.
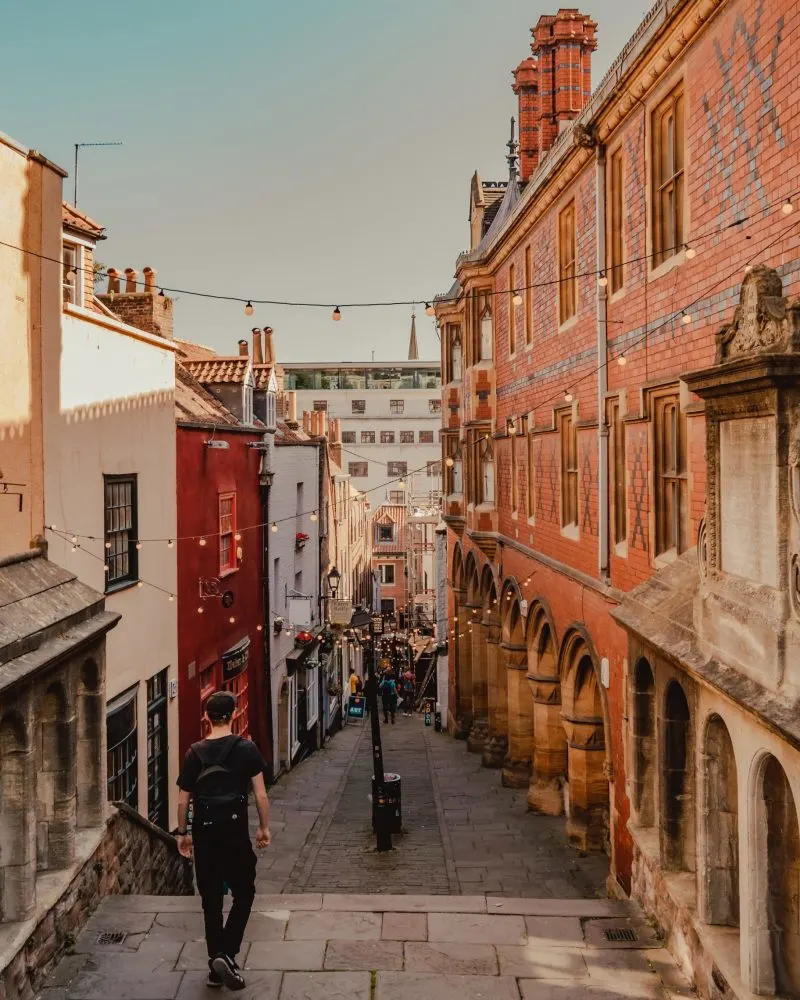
x=269 y=346
x=562 y=45
x=526 y=87
x=242 y=348
x=146 y=309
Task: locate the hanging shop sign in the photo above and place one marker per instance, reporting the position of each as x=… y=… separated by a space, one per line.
x=340 y=612
x=235 y=661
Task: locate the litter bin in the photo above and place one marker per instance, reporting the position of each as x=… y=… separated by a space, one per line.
x=394 y=802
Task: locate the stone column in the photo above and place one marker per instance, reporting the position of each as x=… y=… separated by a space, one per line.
x=587 y=822
x=463 y=667
x=479 y=732
x=55 y=791
x=546 y=791
x=91 y=758
x=17 y=823
x=496 y=746
x=517 y=768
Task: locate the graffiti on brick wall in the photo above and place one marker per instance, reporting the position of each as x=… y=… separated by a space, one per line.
x=639 y=493
x=729 y=111
x=587 y=524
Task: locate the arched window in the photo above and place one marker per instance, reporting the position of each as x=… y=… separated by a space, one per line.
x=678 y=806
x=485 y=341
x=644 y=737
x=721 y=814
x=486 y=471
x=457 y=472
x=456 y=355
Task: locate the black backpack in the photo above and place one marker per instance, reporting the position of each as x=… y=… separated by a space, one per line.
x=218 y=795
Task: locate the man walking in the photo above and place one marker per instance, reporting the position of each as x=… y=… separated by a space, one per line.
x=388 y=690
x=216 y=774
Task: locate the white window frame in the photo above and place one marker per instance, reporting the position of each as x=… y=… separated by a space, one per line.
x=312 y=696
x=76 y=286
x=382 y=567
x=294 y=742
x=247 y=398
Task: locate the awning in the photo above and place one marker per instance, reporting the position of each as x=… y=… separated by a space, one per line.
x=297 y=657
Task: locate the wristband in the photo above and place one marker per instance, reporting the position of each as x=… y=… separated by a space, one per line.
x=182 y=833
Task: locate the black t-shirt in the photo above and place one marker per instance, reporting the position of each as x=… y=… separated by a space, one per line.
x=245 y=761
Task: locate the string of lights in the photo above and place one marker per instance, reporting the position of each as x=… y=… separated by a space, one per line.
x=786 y=203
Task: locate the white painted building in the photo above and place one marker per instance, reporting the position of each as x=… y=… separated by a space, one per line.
x=390 y=416
x=295 y=461
x=109 y=489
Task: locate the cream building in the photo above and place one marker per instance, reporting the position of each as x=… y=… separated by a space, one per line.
x=109 y=489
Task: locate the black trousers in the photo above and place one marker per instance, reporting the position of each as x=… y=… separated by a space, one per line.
x=224 y=856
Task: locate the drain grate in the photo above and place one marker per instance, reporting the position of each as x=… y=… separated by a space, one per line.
x=620 y=934
x=111 y=937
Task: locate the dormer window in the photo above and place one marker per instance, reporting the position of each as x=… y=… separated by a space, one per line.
x=72 y=275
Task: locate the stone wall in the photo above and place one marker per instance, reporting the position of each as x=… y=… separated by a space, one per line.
x=133 y=856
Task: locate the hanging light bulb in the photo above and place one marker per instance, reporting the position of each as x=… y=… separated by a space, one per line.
x=238 y=536
x=108 y=545
x=171 y=597
x=568 y=396
x=787 y=208
x=140 y=584
x=313 y=516
x=274 y=527
x=138 y=545
x=622 y=361
x=200 y=610
x=161 y=293
x=74 y=548
x=691 y=253
x=336 y=315
x=70 y=275
x=202 y=541
x=429 y=310
x=449 y=462
x=686 y=319
x=170 y=544
x=248 y=309
x=74 y=539
x=602 y=281
x=401 y=482
x=259 y=628
x=288 y=631
x=232 y=620
x=516 y=298
x=511 y=426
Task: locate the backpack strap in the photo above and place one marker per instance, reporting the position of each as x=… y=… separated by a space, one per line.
x=201 y=746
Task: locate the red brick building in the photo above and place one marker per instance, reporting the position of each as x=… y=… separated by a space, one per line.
x=220 y=555
x=575 y=450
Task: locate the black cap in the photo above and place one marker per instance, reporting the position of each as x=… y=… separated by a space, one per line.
x=220 y=706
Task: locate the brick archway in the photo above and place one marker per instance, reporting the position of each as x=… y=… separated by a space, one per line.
x=549 y=770
x=584 y=714
x=496 y=744
x=476 y=652
x=517 y=769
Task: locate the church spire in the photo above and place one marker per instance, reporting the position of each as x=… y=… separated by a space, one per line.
x=513 y=150
x=413 y=350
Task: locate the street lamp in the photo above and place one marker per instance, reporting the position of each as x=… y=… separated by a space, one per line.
x=334 y=578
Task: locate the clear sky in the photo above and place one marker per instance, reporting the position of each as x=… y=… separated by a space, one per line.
x=295 y=150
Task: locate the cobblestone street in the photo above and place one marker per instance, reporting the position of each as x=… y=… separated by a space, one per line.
x=479 y=899
x=463 y=832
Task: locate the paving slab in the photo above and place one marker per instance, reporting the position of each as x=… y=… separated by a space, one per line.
x=405 y=904
x=151 y=904
x=543 y=989
x=533 y=961
x=454 y=959
x=555 y=932
x=404 y=927
x=357 y=956
x=260 y=986
x=326 y=986
x=419 y=986
x=287 y=956
x=467 y=928
x=549 y=907
x=144 y=985
x=334 y=927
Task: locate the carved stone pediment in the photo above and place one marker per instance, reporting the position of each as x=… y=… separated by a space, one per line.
x=764 y=322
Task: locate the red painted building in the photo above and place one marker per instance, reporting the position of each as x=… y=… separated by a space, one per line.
x=220 y=573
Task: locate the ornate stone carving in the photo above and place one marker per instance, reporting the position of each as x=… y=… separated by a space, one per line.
x=702 y=548
x=763 y=323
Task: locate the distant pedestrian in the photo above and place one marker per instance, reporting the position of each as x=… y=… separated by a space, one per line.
x=408 y=693
x=216 y=775
x=388 y=689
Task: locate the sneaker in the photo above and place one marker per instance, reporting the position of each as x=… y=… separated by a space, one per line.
x=228 y=971
x=213 y=980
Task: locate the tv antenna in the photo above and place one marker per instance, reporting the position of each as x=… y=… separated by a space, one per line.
x=79 y=146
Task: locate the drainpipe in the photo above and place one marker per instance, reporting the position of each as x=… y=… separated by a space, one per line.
x=267 y=619
x=602 y=369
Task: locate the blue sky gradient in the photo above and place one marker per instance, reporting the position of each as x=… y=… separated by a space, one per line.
x=302 y=150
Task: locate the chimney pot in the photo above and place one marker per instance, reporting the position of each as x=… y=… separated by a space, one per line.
x=243 y=348
x=113 y=281
x=292 y=397
x=131 y=274
x=258 y=355
x=150 y=281
x=269 y=346
x=306 y=421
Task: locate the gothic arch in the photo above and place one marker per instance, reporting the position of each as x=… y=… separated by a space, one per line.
x=517 y=770
x=479 y=728
x=775 y=868
x=56 y=786
x=549 y=767
x=585 y=716
x=457 y=569
x=496 y=743
x=677 y=765
x=645 y=778
x=720 y=815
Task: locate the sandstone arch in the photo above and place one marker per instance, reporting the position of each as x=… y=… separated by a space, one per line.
x=55 y=781
x=677 y=806
x=549 y=769
x=517 y=769
x=496 y=744
x=721 y=821
x=91 y=746
x=479 y=729
x=644 y=744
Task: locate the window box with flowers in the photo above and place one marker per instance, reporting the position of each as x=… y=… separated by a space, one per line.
x=300 y=540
